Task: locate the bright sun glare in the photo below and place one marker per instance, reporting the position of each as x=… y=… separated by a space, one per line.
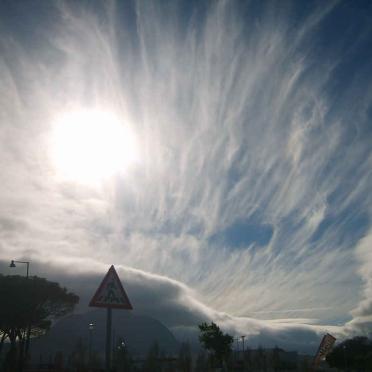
x=89 y=146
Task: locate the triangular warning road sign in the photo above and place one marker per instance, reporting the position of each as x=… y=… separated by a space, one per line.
x=111 y=293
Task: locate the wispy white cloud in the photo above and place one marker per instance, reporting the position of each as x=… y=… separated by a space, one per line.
x=236 y=119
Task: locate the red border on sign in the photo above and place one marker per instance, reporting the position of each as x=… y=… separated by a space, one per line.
x=93 y=302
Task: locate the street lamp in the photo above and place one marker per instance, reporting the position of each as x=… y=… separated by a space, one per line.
x=28 y=335
x=12 y=264
x=91 y=328
x=243 y=337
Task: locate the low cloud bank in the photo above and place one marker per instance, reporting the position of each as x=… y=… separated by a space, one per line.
x=362 y=314
x=176 y=306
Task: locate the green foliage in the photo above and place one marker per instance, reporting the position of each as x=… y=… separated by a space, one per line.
x=34 y=301
x=27 y=307
x=353 y=354
x=216 y=342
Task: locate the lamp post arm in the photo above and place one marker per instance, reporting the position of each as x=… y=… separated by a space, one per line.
x=27 y=266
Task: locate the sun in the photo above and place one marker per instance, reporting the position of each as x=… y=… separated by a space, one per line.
x=90 y=146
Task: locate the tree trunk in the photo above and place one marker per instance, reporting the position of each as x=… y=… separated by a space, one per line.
x=11 y=357
x=3 y=337
x=27 y=350
x=21 y=342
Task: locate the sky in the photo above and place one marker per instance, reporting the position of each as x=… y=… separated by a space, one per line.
x=218 y=153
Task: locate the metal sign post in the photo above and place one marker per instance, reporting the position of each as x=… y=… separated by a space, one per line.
x=111 y=295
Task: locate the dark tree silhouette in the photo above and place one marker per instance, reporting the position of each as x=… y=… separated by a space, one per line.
x=122 y=360
x=216 y=342
x=79 y=357
x=27 y=307
x=352 y=354
x=201 y=363
x=152 y=362
x=184 y=358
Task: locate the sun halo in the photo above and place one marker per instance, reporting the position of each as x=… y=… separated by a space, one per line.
x=90 y=146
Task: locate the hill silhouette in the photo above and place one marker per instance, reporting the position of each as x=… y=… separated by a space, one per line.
x=139 y=333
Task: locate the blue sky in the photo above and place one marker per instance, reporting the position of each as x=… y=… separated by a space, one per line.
x=251 y=193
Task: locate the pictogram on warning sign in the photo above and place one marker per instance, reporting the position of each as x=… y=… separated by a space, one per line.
x=111 y=293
